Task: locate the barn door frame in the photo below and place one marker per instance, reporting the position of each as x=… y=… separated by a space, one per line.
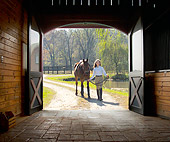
x=136 y=68
x=34 y=81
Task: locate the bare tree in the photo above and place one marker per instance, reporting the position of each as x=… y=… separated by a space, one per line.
x=69 y=38
x=51 y=45
x=86 y=43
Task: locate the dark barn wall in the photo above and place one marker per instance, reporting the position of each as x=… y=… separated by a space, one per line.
x=13 y=33
x=157 y=45
x=157 y=58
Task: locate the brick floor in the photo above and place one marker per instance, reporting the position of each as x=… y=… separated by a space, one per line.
x=89 y=126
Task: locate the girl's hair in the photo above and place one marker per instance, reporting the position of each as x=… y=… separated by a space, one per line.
x=94 y=65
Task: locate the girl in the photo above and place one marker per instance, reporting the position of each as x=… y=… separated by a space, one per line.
x=98 y=71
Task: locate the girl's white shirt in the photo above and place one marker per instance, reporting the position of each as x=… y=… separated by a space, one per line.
x=98 y=71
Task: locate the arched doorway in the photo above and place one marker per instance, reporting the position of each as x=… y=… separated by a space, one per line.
x=86 y=43
x=136 y=96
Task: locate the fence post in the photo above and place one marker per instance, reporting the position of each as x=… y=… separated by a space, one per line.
x=64 y=70
x=71 y=68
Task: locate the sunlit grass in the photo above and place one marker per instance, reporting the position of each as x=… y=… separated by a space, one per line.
x=48 y=95
x=116 y=92
x=60 y=79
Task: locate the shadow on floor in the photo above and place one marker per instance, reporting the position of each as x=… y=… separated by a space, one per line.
x=100 y=103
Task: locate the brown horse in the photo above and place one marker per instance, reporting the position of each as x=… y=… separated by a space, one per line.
x=82 y=71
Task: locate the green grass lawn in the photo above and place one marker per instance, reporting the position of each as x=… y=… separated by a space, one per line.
x=60 y=79
x=48 y=95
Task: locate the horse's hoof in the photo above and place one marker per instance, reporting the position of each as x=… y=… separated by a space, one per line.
x=89 y=98
x=76 y=94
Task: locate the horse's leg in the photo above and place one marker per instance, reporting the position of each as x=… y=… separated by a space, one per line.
x=88 y=89
x=76 y=79
x=82 y=88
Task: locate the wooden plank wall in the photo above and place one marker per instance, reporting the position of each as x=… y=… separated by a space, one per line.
x=161 y=92
x=13 y=32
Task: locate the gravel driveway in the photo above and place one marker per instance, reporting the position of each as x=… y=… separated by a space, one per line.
x=65 y=98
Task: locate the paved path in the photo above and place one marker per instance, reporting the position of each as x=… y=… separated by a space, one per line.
x=65 y=98
x=89 y=126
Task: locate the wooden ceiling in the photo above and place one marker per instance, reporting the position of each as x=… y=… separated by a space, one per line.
x=120 y=14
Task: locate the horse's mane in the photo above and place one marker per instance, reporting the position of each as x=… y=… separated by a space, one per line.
x=77 y=64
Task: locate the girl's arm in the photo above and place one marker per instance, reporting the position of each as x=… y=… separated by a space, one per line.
x=104 y=72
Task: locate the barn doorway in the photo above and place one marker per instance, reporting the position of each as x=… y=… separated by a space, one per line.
x=63 y=47
x=136 y=82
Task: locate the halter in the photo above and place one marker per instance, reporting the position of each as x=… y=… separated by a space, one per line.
x=87 y=71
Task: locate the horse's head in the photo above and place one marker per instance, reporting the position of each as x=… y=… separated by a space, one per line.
x=86 y=67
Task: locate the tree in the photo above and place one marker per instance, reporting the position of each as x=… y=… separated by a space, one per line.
x=68 y=46
x=55 y=45
x=113 y=50
x=49 y=46
x=69 y=43
x=85 y=43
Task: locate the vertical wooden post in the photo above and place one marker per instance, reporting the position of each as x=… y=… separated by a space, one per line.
x=71 y=69
x=64 y=69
